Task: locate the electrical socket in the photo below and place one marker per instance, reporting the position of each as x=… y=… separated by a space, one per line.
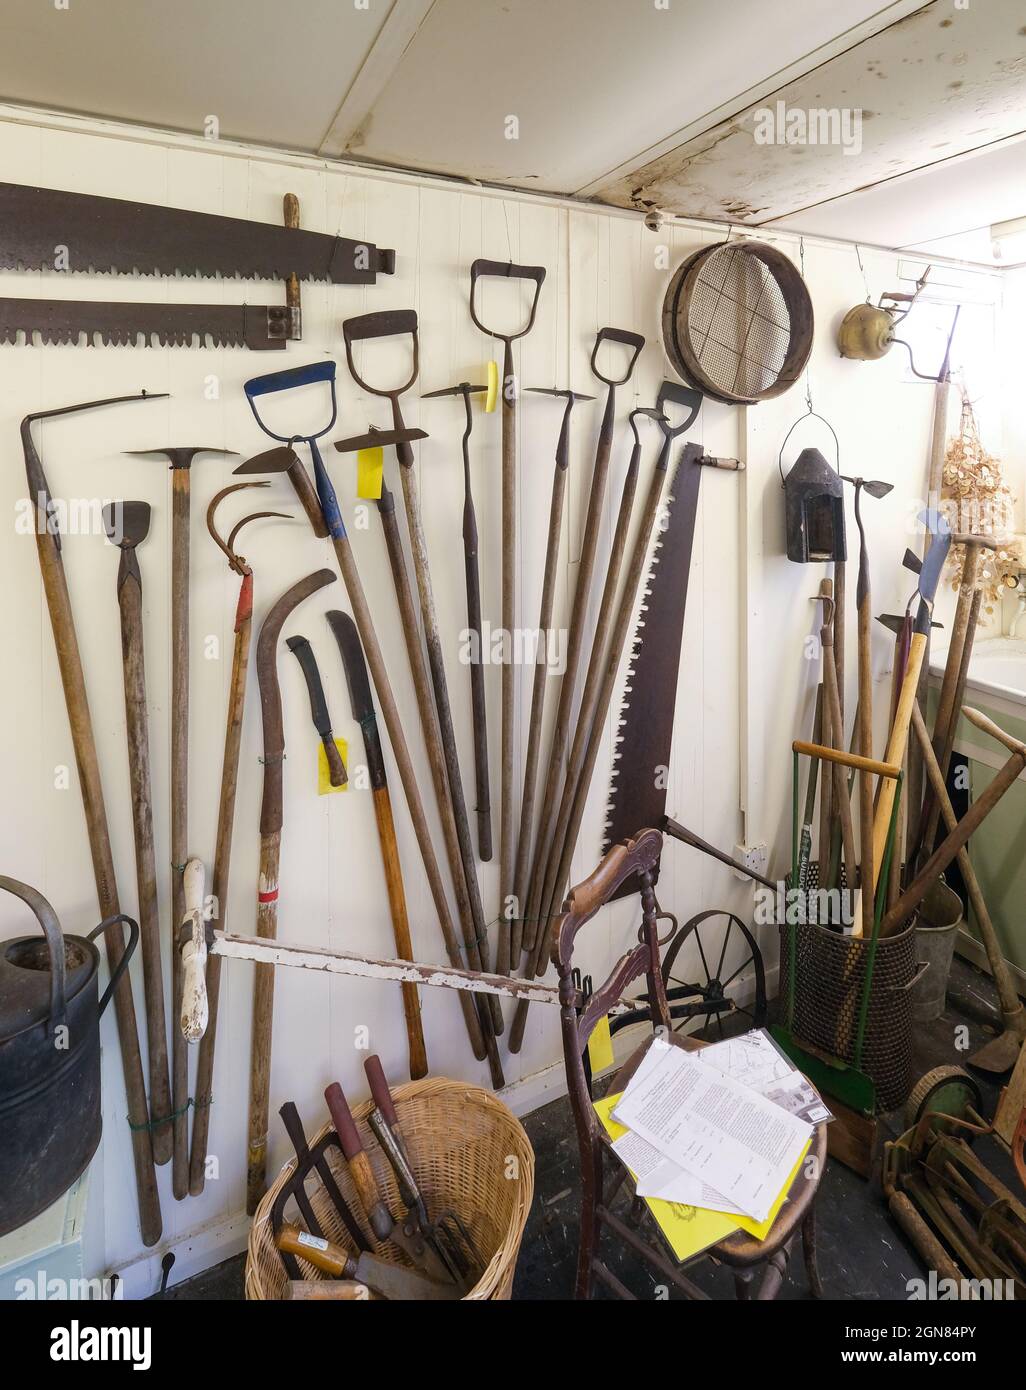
x=754 y=857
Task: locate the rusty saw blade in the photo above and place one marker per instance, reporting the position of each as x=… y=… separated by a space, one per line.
x=262 y=328
x=50 y=229
x=637 y=795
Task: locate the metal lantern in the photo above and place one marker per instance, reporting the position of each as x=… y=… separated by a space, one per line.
x=814 y=510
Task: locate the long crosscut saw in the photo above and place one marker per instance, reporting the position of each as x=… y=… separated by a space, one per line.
x=51 y=229
x=637 y=794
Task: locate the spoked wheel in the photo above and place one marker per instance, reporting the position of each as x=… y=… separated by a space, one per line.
x=726 y=950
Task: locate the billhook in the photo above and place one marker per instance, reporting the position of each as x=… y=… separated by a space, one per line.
x=237 y=562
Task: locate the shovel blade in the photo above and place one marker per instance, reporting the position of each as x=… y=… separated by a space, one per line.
x=277 y=460
x=126 y=523
x=999 y=1055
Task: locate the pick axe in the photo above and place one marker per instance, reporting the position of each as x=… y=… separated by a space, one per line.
x=181 y=468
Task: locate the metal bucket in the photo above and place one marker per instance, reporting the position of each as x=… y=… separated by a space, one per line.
x=940 y=917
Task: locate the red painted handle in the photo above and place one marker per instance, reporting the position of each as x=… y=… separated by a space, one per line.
x=379 y=1090
x=342 y=1119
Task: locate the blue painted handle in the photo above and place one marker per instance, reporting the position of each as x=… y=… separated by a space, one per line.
x=290 y=377
x=326 y=495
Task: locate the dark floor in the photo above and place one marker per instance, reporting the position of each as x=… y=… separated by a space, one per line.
x=862 y=1255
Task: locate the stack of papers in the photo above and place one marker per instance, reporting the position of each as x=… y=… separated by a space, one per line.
x=717 y=1134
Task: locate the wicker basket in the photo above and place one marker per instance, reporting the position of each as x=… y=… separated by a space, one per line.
x=463 y=1144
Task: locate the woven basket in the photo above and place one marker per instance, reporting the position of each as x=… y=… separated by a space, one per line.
x=463 y=1143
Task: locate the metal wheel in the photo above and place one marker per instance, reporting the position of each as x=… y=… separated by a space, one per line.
x=717 y=945
x=947 y=1090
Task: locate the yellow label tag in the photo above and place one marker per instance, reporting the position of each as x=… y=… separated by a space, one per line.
x=323 y=770
x=600 y=1046
x=368 y=473
x=493 y=387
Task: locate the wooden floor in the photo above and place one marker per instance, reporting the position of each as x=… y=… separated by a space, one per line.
x=862 y=1255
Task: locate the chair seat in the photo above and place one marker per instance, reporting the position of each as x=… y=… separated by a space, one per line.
x=741 y=1249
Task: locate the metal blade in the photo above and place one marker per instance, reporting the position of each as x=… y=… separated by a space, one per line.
x=121 y=324
x=112 y=234
x=361 y=701
x=277 y=460
x=637 y=797
x=460 y=390
x=126 y=523
x=378 y=439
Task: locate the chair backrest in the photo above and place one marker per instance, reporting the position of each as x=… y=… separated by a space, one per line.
x=635 y=857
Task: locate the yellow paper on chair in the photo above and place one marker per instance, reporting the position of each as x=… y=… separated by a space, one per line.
x=600 y=1047
x=324 y=772
x=690 y=1230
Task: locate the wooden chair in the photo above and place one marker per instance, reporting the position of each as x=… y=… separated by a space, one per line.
x=759 y=1266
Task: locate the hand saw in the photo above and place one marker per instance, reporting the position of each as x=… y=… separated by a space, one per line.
x=51 y=229
x=260 y=327
x=637 y=796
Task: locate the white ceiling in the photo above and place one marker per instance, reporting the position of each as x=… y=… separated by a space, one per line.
x=633 y=102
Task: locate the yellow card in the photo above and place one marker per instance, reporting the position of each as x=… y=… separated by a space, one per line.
x=690 y=1230
x=323 y=771
x=600 y=1047
x=493 y=387
x=368 y=473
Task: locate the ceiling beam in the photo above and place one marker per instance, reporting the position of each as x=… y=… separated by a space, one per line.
x=394 y=38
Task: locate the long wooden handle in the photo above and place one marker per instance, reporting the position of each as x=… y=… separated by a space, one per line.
x=263 y=1012
x=221 y=875
x=180 y=493
x=400 y=929
x=988 y=726
x=407 y=774
x=479 y=712
x=852 y=760
x=507 y=830
x=134 y=670
x=896 y=746
x=69 y=661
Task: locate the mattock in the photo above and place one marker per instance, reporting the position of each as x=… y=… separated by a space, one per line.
x=510 y=398
x=225 y=816
x=473 y=577
x=403 y=322
x=127 y=525
x=181 y=468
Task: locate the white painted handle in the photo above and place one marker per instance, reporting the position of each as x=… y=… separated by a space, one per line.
x=194 y=1015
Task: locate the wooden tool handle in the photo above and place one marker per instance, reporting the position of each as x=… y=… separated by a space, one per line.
x=379 y=1090
x=328 y=1290
x=193 y=1021
x=331 y=1259
x=336 y=767
x=853 y=760
x=308 y=499
x=988 y=726
x=400 y=929
x=359 y=1164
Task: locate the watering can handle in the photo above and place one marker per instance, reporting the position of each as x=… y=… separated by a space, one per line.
x=290 y=377
x=47 y=919
x=123 y=963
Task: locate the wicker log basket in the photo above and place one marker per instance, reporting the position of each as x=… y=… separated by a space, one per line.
x=470 y=1155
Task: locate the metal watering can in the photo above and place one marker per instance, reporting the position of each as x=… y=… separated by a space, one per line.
x=49 y=1058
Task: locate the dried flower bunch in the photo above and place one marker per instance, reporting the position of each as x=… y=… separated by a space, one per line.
x=978 y=501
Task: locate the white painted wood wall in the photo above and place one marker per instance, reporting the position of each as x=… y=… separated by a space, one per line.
x=744 y=689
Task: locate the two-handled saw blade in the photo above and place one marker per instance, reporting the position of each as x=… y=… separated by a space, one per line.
x=121 y=324
x=51 y=229
x=637 y=796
